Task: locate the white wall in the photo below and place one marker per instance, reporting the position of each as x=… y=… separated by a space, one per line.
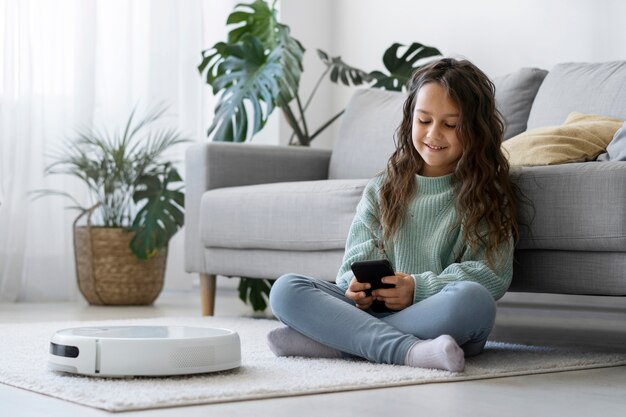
x=313 y=24
x=498 y=36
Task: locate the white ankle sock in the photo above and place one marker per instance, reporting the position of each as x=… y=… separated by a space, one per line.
x=440 y=353
x=285 y=341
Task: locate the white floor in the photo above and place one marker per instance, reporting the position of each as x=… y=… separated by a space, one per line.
x=597 y=322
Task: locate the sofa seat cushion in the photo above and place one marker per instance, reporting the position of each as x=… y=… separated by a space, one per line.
x=304 y=215
x=573 y=207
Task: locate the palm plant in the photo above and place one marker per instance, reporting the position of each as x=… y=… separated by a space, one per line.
x=129 y=184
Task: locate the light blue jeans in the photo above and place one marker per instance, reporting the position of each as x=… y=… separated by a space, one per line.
x=320 y=310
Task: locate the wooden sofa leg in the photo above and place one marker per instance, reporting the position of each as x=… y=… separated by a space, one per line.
x=207 y=293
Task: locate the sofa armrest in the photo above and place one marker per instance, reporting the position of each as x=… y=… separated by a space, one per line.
x=220 y=164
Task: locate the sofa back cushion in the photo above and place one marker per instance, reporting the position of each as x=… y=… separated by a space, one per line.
x=616 y=150
x=592 y=88
x=365 y=140
x=366 y=135
x=515 y=93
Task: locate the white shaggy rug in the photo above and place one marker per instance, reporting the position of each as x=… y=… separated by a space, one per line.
x=24 y=349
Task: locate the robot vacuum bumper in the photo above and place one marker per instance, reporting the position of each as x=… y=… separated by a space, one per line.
x=118 y=351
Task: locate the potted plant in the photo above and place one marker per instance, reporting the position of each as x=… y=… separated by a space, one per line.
x=258 y=70
x=136 y=206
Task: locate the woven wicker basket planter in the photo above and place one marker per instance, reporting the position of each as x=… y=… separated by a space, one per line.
x=108 y=273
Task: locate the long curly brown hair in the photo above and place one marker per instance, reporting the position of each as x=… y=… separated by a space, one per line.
x=484 y=195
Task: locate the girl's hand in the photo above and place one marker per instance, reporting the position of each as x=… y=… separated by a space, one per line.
x=356 y=292
x=401 y=296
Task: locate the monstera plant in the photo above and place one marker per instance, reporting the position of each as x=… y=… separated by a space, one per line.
x=258 y=69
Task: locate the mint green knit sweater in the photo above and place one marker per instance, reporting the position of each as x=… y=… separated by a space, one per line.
x=429 y=245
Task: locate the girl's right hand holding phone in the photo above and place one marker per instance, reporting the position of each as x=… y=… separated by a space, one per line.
x=356 y=292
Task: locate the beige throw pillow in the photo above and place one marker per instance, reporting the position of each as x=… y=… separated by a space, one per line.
x=581 y=138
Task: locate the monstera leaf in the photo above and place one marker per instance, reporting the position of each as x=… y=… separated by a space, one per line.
x=339 y=70
x=291 y=54
x=401 y=67
x=256 y=291
x=255 y=19
x=256 y=71
x=161 y=216
x=211 y=58
x=246 y=74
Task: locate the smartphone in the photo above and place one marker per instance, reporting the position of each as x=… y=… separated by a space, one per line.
x=372 y=272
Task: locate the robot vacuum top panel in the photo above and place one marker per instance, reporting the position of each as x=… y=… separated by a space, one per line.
x=144 y=350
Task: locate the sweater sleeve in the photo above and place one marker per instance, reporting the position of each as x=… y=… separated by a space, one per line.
x=471 y=267
x=362 y=241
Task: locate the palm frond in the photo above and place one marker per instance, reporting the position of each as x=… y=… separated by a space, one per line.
x=37 y=194
x=110 y=164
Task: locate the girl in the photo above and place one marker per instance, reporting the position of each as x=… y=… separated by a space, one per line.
x=443 y=213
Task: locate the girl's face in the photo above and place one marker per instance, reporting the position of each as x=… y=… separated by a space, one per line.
x=434 y=130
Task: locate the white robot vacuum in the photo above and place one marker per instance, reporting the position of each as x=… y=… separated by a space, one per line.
x=119 y=351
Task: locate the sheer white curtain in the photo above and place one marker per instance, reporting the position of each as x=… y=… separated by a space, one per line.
x=71 y=63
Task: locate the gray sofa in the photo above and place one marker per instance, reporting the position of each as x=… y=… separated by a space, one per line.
x=263 y=211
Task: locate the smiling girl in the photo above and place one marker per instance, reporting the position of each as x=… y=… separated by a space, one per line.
x=442 y=213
